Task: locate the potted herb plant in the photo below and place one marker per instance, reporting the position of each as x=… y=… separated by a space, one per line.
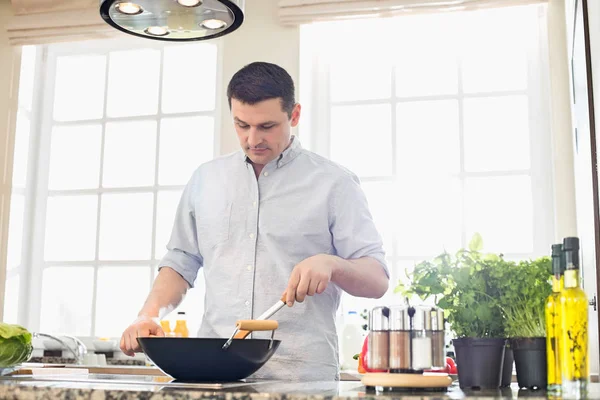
x=461 y=286
x=522 y=292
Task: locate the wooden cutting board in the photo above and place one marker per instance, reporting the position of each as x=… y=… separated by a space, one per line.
x=406 y=380
x=108 y=369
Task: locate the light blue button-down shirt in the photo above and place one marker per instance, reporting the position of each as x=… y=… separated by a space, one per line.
x=247 y=234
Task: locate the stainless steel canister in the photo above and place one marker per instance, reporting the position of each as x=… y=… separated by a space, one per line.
x=379 y=341
x=438 y=341
x=421 y=347
x=416 y=338
x=400 y=360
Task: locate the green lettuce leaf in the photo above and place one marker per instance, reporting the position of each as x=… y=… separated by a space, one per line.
x=15 y=345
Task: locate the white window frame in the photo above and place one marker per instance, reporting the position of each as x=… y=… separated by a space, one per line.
x=37 y=193
x=315 y=132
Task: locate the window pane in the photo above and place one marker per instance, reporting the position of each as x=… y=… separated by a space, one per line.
x=75 y=157
x=166 y=208
x=361 y=137
x=496 y=131
x=71 y=228
x=67 y=300
x=500 y=209
x=380 y=196
x=133 y=77
x=121 y=292
x=27 y=76
x=426 y=58
x=79 y=91
x=21 y=156
x=189 y=78
x=185 y=143
x=495 y=58
x=11 y=300
x=429 y=215
x=426 y=144
x=405 y=269
x=129 y=154
x=126 y=226
x=15 y=231
x=355 y=55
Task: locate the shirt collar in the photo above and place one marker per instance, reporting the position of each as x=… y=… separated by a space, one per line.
x=288 y=154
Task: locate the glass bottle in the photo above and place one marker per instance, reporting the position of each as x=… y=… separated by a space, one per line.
x=181 y=329
x=553 y=320
x=574 y=335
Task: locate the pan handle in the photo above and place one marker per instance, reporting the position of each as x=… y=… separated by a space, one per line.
x=256 y=325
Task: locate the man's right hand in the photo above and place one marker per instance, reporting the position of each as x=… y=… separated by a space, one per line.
x=142 y=327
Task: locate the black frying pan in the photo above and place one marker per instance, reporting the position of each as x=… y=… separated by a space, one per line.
x=206 y=360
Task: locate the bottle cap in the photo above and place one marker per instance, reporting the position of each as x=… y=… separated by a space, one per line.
x=571 y=253
x=556 y=250
x=571 y=243
x=558 y=259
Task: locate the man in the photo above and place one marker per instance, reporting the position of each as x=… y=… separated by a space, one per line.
x=270 y=219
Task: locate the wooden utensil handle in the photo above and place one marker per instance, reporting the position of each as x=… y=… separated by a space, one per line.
x=257 y=325
x=247 y=326
x=241 y=334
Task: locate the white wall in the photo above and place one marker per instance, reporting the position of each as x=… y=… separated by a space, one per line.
x=562 y=137
x=260 y=38
x=9 y=60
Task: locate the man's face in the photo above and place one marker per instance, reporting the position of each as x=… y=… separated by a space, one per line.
x=263 y=129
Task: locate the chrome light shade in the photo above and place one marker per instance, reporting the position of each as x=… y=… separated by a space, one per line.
x=174 y=20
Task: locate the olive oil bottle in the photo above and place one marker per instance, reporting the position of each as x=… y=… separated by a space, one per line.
x=574 y=334
x=553 y=320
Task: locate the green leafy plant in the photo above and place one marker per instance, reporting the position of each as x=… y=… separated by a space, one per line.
x=15 y=345
x=522 y=291
x=461 y=285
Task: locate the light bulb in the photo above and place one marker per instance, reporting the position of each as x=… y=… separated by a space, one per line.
x=129 y=8
x=157 y=31
x=213 y=24
x=190 y=3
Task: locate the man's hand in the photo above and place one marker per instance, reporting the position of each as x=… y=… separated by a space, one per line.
x=142 y=327
x=310 y=276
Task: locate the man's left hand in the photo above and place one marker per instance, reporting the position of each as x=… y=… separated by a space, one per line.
x=310 y=276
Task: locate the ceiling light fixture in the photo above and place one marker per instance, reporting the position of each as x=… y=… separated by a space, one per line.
x=174 y=20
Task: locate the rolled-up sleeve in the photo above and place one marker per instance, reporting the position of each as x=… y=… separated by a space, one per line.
x=183 y=254
x=352 y=227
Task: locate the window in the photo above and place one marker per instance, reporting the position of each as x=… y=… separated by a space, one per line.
x=443 y=117
x=122 y=126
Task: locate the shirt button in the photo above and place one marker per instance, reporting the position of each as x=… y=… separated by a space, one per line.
x=253 y=204
x=266 y=174
x=247 y=303
x=249 y=267
x=251 y=236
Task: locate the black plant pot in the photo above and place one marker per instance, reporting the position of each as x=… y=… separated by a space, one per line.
x=479 y=362
x=530 y=362
x=507 y=367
